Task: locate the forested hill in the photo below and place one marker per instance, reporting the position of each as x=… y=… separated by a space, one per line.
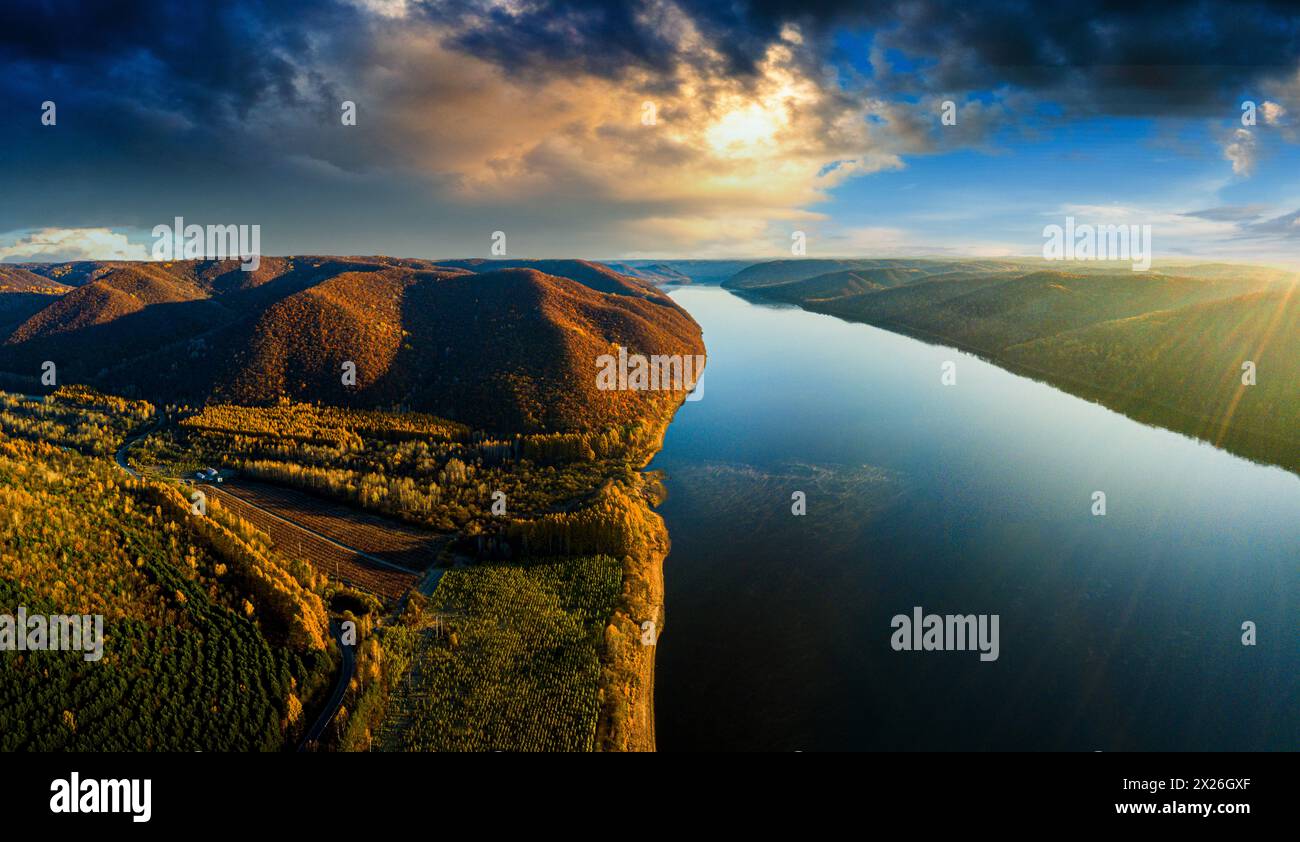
x=495 y=344
x=1166 y=346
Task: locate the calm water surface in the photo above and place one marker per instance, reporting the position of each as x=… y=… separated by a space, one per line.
x=1116 y=632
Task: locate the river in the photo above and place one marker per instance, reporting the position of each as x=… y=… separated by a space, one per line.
x=1120 y=631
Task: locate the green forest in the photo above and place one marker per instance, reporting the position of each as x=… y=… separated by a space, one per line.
x=224 y=628
x=1169 y=347
x=211 y=641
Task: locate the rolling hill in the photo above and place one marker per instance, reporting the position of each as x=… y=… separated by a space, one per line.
x=508 y=345
x=681 y=271
x=885 y=272
x=24 y=293
x=1181 y=368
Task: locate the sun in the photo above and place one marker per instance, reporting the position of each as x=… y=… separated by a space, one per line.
x=742 y=130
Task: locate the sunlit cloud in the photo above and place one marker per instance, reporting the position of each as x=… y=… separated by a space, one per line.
x=59 y=244
x=1241 y=150
x=706 y=147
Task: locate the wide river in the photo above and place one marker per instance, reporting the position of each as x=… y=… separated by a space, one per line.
x=1116 y=632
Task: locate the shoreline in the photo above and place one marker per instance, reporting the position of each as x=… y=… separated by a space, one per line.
x=1249 y=444
x=627 y=720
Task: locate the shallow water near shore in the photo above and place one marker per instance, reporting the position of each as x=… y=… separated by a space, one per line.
x=1120 y=632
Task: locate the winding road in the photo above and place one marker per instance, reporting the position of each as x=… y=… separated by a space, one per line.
x=346 y=670
x=120 y=456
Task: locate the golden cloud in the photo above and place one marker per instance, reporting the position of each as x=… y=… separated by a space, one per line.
x=692 y=145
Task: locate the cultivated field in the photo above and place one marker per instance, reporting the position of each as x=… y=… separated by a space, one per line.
x=384 y=538
x=341 y=562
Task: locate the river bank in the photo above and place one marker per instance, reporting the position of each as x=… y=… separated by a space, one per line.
x=1211 y=421
x=627 y=721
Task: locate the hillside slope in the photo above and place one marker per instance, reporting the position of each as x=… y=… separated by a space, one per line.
x=885 y=272
x=1159 y=367
x=1166 y=347
x=497 y=344
x=681 y=271
x=23 y=294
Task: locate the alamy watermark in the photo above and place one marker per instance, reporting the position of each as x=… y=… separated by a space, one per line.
x=657 y=372
x=212 y=242
x=923 y=632
x=1098 y=242
x=75 y=794
x=52 y=633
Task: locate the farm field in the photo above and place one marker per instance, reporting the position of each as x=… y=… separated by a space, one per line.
x=384 y=538
x=335 y=561
x=442 y=481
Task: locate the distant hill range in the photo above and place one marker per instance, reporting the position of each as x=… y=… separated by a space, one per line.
x=1165 y=346
x=505 y=345
x=681 y=271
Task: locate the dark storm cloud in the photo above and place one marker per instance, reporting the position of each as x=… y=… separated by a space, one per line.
x=1110 y=58
x=214 y=61
x=1131 y=57
x=213 y=58
x=601 y=37
x=154 y=100
x=206 y=60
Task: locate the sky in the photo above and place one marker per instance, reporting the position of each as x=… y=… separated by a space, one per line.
x=650 y=129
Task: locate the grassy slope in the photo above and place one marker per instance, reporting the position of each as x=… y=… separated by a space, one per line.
x=1166 y=349
x=1159 y=368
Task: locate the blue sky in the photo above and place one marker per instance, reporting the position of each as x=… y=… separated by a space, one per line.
x=1000 y=198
